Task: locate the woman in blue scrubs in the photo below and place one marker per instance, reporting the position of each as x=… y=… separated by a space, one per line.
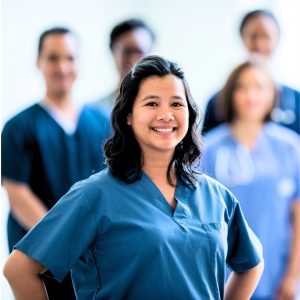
x=149 y=226
x=259 y=162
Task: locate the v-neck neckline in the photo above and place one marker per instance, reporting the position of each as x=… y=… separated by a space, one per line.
x=258 y=141
x=182 y=193
x=58 y=123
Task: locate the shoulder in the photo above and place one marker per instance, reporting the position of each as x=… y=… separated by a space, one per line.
x=101 y=183
x=212 y=100
x=96 y=119
x=215 y=187
x=215 y=198
x=22 y=119
x=285 y=90
x=216 y=135
x=106 y=103
x=282 y=135
x=215 y=190
x=96 y=112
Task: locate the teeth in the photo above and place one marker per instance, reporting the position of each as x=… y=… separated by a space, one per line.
x=163 y=129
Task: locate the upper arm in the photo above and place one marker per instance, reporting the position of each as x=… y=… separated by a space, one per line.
x=295 y=212
x=16 y=146
x=14 y=187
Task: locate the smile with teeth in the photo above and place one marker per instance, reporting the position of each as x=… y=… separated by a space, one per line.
x=166 y=130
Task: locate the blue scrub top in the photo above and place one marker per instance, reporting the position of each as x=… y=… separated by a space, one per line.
x=266 y=180
x=37 y=151
x=124 y=241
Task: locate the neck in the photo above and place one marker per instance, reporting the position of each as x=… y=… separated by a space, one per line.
x=62 y=101
x=156 y=167
x=246 y=132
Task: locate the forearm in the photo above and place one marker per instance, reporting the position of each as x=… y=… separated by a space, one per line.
x=240 y=286
x=28 y=288
x=23 y=275
x=26 y=207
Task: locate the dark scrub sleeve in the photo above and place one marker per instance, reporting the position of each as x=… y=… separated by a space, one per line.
x=17 y=154
x=61 y=237
x=244 y=248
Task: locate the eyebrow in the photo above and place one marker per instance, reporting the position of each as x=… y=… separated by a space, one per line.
x=157 y=97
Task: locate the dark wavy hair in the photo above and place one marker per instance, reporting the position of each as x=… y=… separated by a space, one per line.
x=123 y=154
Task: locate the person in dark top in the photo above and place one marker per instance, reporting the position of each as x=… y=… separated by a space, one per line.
x=50 y=145
x=260 y=33
x=130 y=41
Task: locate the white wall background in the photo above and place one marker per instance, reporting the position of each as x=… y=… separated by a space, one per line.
x=202 y=36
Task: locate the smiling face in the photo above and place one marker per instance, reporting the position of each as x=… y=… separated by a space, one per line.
x=253 y=96
x=160 y=115
x=58 y=63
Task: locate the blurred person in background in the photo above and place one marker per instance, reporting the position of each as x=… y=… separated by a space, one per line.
x=260 y=35
x=150 y=226
x=130 y=41
x=259 y=161
x=50 y=145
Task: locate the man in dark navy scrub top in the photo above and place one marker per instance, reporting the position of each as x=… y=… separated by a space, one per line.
x=50 y=145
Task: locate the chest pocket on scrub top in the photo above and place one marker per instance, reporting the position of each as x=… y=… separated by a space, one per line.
x=217 y=237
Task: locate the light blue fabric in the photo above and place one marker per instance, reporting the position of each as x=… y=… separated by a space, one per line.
x=266 y=180
x=124 y=241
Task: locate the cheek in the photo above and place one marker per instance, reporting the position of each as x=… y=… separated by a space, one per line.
x=268 y=101
x=183 y=118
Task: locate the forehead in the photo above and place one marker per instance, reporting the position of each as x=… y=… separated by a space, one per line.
x=169 y=84
x=254 y=74
x=56 y=43
x=139 y=37
x=261 y=23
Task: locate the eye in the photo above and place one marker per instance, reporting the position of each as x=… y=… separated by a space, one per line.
x=177 y=104
x=70 y=58
x=53 y=58
x=152 y=103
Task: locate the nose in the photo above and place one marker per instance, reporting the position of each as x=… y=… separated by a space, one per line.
x=166 y=117
x=63 y=65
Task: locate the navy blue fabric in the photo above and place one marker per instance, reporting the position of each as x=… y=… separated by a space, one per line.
x=37 y=151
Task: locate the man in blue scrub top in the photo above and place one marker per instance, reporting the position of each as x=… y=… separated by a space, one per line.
x=260 y=32
x=140 y=230
x=50 y=145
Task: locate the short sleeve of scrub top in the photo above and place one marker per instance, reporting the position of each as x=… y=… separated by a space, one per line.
x=244 y=249
x=17 y=153
x=57 y=241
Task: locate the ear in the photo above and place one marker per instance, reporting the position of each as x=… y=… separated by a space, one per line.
x=129 y=119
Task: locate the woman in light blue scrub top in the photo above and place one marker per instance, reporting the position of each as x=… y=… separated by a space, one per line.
x=259 y=161
x=149 y=226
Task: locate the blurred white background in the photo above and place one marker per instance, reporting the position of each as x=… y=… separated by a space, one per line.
x=202 y=36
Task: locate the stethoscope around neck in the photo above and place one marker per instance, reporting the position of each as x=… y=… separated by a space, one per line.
x=234 y=167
